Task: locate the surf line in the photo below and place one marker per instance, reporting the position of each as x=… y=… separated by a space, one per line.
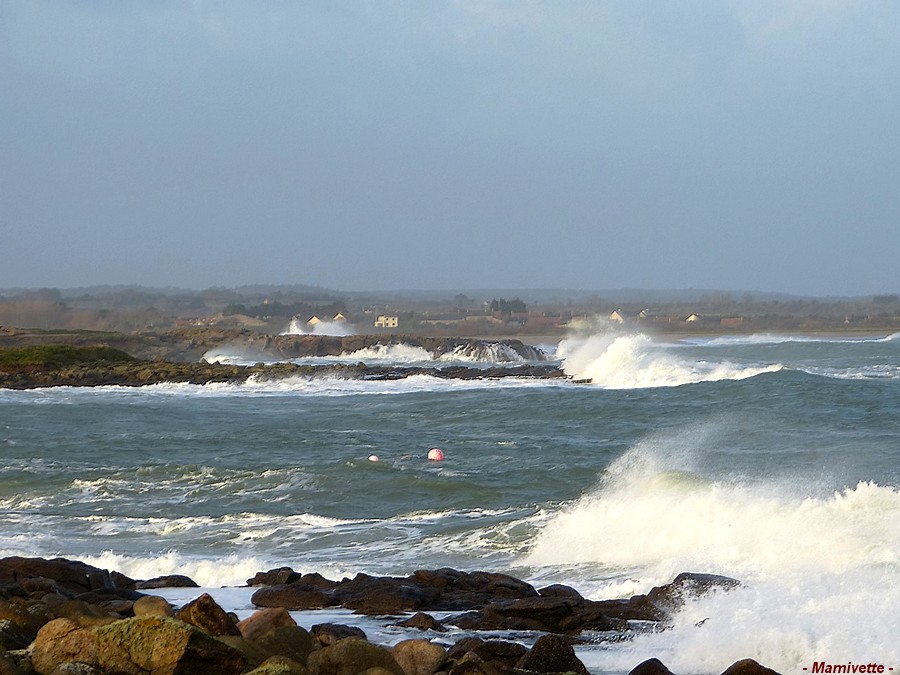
x=823 y=667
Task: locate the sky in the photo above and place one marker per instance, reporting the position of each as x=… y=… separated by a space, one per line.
x=363 y=145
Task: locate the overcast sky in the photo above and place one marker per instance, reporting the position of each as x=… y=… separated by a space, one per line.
x=451 y=145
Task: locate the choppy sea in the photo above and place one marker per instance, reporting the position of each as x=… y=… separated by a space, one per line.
x=774 y=459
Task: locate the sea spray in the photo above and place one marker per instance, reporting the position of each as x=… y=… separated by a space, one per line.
x=820 y=575
x=633 y=361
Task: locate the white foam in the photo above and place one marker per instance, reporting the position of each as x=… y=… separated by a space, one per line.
x=337 y=328
x=820 y=574
x=635 y=361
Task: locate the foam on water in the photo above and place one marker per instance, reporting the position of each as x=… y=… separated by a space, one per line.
x=820 y=574
x=635 y=361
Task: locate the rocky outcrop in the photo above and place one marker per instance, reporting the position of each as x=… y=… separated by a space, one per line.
x=56 y=617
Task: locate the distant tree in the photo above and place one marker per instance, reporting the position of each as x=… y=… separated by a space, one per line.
x=504 y=306
x=887 y=299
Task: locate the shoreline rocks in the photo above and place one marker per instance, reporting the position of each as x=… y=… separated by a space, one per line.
x=62 y=616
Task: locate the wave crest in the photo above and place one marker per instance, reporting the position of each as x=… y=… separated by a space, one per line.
x=635 y=361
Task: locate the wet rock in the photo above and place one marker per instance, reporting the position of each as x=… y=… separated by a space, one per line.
x=383 y=595
x=71 y=577
x=207 y=615
x=274 y=577
x=294 y=596
x=264 y=620
x=748 y=667
x=552 y=654
x=650 y=667
x=352 y=656
x=325 y=634
x=292 y=641
x=498 y=654
x=687 y=586
x=422 y=621
x=167 y=581
x=559 y=591
x=419 y=657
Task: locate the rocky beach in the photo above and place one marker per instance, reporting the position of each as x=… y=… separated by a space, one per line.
x=60 y=616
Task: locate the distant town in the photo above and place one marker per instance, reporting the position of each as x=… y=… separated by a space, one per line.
x=302 y=309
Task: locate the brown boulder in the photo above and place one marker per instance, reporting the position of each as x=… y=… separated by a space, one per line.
x=423 y=621
x=163 y=646
x=152 y=605
x=419 y=657
x=292 y=641
x=325 y=634
x=274 y=577
x=552 y=654
x=167 y=581
x=294 y=596
x=61 y=641
x=207 y=615
x=352 y=656
x=71 y=577
x=499 y=654
x=264 y=620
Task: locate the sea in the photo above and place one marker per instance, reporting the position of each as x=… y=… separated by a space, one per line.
x=770 y=458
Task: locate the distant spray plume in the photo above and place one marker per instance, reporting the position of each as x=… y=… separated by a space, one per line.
x=612 y=358
x=299 y=327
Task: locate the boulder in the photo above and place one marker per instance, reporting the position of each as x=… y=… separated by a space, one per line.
x=419 y=657
x=279 y=665
x=292 y=641
x=748 y=667
x=552 y=654
x=650 y=667
x=498 y=654
x=8 y=666
x=152 y=605
x=423 y=621
x=14 y=636
x=383 y=595
x=294 y=596
x=207 y=615
x=264 y=620
x=325 y=634
x=62 y=641
x=352 y=656
x=274 y=577
x=167 y=581
x=71 y=577
x=686 y=586
x=163 y=646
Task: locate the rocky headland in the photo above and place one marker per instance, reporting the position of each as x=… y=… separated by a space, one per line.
x=44 y=359
x=61 y=616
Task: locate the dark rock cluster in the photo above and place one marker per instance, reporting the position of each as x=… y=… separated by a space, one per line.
x=63 y=617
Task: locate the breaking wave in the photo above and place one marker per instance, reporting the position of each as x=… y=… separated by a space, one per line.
x=635 y=361
x=813 y=568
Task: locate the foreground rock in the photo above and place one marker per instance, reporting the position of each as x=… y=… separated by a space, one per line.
x=494 y=601
x=61 y=616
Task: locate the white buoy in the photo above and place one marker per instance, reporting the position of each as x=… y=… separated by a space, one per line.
x=373 y=458
x=436 y=455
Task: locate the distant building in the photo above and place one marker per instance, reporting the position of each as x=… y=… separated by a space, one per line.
x=384 y=321
x=339 y=317
x=693 y=318
x=617 y=316
x=313 y=321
